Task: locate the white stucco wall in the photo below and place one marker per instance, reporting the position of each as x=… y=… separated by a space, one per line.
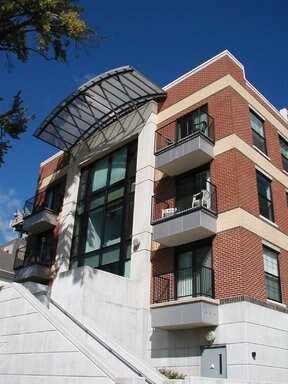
x=246 y=328
x=34 y=347
x=119 y=306
x=140 y=124
x=243 y=328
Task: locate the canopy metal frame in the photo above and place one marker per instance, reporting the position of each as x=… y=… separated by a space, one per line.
x=97 y=104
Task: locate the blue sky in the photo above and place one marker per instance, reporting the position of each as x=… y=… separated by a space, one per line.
x=163 y=40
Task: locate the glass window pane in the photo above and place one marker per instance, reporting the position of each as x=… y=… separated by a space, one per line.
x=93 y=239
x=97 y=201
x=284 y=147
x=185 y=260
x=111 y=255
x=113 y=224
x=127 y=266
x=99 y=175
x=92 y=260
x=273 y=288
x=263 y=186
x=256 y=124
x=270 y=262
x=49 y=199
x=185 y=282
x=265 y=207
x=115 y=194
x=285 y=163
x=73 y=263
x=118 y=168
x=128 y=251
x=284 y=153
x=259 y=142
x=203 y=257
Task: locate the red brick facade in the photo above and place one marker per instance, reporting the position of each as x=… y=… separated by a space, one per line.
x=237 y=253
x=54 y=165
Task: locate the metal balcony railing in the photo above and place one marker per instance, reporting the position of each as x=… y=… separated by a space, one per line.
x=43 y=200
x=184 y=199
x=187 y=282
x=168 y=136
x=27 y=255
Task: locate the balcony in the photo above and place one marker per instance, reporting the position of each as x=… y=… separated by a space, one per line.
x=178 y=151
x=184 y=299
x=186 y=214
x=40 y=212
x=33 y=264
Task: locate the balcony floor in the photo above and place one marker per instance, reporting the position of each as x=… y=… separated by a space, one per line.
x=40 y=222
x=32 y=272
x=185 y=155
x=185 y=228
x=185 y=314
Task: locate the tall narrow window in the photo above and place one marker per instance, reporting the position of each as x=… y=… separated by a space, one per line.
x=257 y=125
x=271 y=268
x=103 y=223
x=189 y=184
x=265 y=196
x=284 y=153
x=194 y=273
x=196 y=121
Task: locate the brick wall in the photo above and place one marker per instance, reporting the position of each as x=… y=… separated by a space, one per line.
x=237 y=253
x=238 y=264
x=162 y=262
x=283 y=266
x=53 y=166
x=201 y=79
x=235 y=177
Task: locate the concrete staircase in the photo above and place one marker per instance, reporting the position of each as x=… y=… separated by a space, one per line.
x=51 y=346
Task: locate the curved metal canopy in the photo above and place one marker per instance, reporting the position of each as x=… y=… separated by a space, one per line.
x=97 y=104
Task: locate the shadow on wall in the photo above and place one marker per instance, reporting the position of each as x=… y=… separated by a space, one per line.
x=58 y=163
x=177 y=343
x=65 y=240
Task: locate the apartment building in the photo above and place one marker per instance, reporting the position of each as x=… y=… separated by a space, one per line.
x=163 y=222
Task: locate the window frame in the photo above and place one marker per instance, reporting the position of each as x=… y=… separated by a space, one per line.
x=256 y=136
x=187 y=122
x=269 y=276
x=90 y=200
x=284 y=158
x=262 y=198
x=193 y=249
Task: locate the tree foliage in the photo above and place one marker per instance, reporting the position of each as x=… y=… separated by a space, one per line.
x=44 y=27
x=12 y=123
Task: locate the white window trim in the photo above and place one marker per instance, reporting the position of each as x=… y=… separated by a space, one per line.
x=268 y=221
x=270 y=245
x=262 y=153
x=261 y=170
x=256 y=112
x=276 y=303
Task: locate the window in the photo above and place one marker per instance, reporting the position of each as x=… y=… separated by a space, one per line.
x=271 y=268
x=189 y=184
x=284 y=153
x=103 y=223
x=196 y=121
x=265 y=196
x=257 y=125
x=194 y=270
x=53 y=198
